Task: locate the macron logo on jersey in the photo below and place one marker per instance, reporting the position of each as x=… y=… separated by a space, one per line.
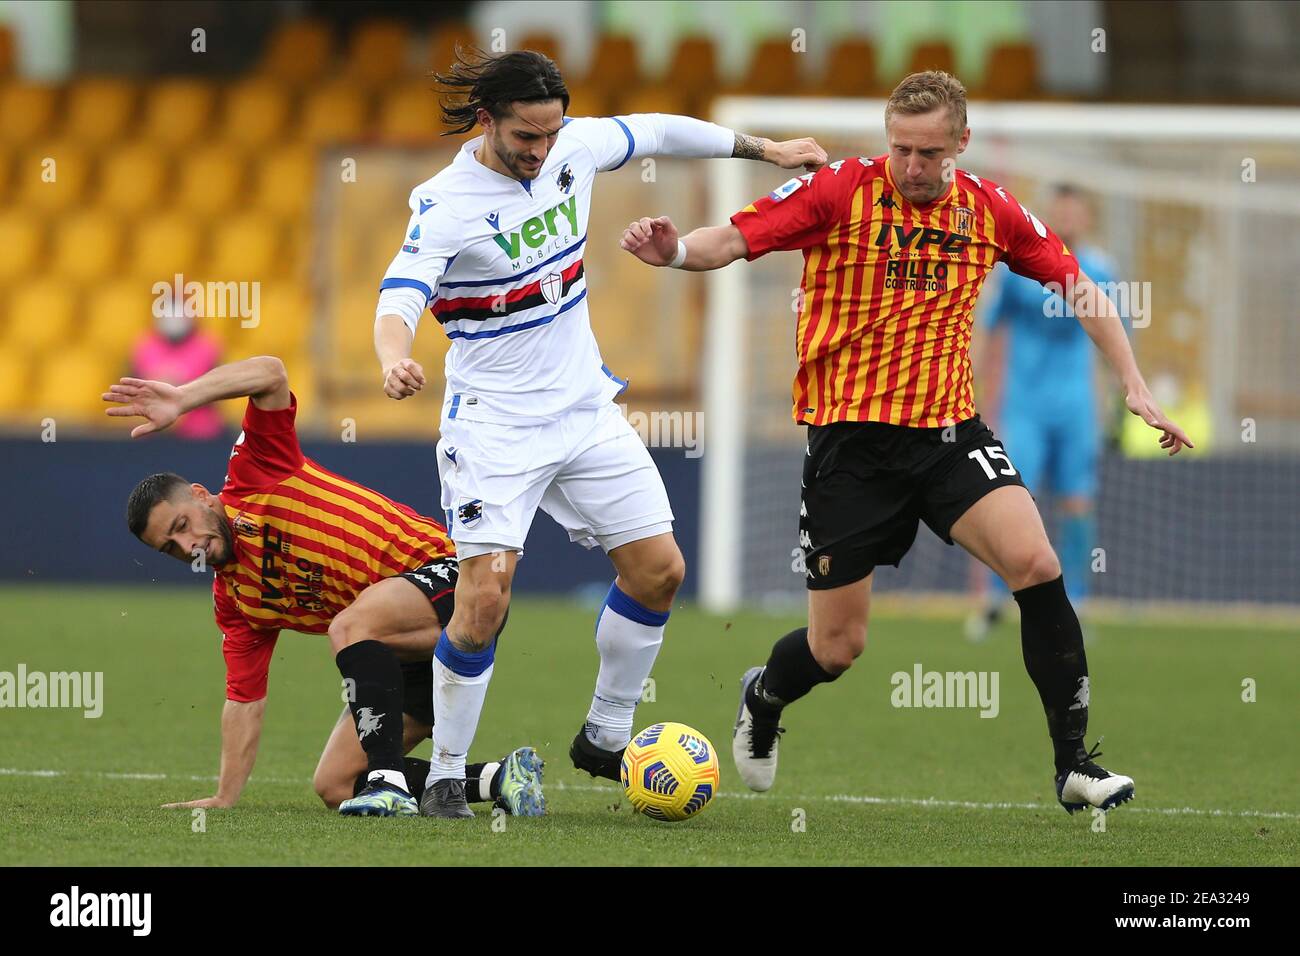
x=426 y=205
x=494 y=220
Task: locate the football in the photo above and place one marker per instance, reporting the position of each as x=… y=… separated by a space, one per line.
x=670 y=772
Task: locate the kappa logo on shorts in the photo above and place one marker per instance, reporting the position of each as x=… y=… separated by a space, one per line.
x=469 y=512
x=440 y=569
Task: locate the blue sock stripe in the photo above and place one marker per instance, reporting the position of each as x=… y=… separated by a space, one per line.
x=464 y=663
x=621 y=604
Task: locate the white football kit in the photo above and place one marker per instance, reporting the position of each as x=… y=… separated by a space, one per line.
x=528 y=418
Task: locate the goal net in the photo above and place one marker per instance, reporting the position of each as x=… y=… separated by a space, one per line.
x=1200 y=207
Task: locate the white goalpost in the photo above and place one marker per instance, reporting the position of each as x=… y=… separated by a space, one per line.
x=1199 y=204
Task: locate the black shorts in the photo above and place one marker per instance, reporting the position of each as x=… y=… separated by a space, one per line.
x=867 y=485
x=437 y=581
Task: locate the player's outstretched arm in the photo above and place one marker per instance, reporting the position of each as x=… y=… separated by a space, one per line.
x=789 y=154
x=263 y=379
x=403 y=375
x=241 y=730
x=655 y=241
x=1101 y=320
x=667 y=134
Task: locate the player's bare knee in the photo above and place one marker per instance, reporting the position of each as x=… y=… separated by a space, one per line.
x=656 y=584
x=836 y=648
x=673 y=575
x=1035 y=567
x=331 y=791
x=480 y=611
x=346 y=629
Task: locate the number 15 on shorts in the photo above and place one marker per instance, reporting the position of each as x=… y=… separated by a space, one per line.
x=997 y=454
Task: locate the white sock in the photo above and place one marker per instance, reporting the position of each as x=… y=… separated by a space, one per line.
x=460 y=683
x=628 y=637
x=393 y=778
x=485 y=782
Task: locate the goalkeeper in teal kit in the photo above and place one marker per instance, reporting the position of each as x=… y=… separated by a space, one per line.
x=1047 y=406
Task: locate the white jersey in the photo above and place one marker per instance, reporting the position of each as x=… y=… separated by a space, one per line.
x=499 y=263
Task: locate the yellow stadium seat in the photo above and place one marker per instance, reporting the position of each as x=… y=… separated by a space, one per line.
x=118 y=315
x=615 y=65
x=284 y=311
x=443 y=43
x=545 y=43
x=1011 y=73
x=334 y=113
x=245 y=248
x=588 y=100
x=409 y=113
x=693 y=71
x=774 y=69
x=14 y=374
x=132 y=178
x=21 y=238
x=70 y=383
x=298 y=51
x=6 y=169
x=26 y=111
x=851 y=70
x=99 y=110
x=936 y=55
x=352 y=331
x=257 y=112
x=210 y=180
x=52 y=177
x=377 y=53
x=178 y=111
x=87 y=246
x=8 y=51
x=286 y=178
x=654 y=99
x=41 y=315
x=165 y=245
x=303 y=383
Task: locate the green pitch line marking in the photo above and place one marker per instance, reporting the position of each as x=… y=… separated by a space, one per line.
x=798 y=798
x=966 y=804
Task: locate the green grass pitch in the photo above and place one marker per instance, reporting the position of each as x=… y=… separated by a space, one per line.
x=861 y=782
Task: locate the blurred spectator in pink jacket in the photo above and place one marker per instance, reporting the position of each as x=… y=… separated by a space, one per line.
x=178 y=351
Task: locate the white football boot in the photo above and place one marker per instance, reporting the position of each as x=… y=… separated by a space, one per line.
x=1089 y=785
x=754 y=742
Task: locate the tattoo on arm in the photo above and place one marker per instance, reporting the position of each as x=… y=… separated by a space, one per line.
x=747 y=147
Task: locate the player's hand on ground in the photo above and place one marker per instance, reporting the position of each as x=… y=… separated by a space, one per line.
x=653 y=241
x=204 y=802
x=403 y=379
x=158 y=403
x=1140 y=403
x=793 y=153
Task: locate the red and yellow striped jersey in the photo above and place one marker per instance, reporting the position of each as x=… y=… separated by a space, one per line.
x=889 y=288
x=307 y=543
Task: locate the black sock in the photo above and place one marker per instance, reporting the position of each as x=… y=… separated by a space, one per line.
x=1052 y=643
x=416 y=770
x=791 y=672
x=376 y=701
x=474 y=787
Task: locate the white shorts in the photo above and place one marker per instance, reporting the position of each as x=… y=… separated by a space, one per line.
x=589 y=470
